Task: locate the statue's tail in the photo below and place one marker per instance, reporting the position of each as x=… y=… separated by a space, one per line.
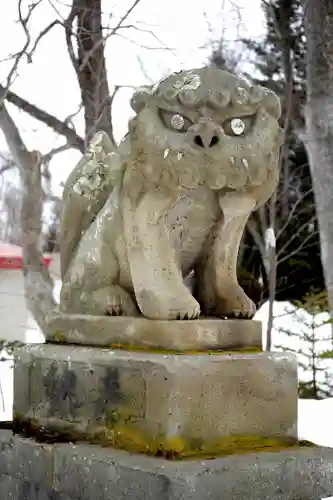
x=85 y=193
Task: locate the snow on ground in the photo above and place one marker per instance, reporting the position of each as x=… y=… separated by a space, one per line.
x=315 y=421
x=288 y=318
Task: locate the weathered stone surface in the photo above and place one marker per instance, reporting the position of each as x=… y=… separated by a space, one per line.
x=197 y=335
x=32 y=461
x=156 y=402
x=12 y=488
x=201 y=154
x=106 y=477
x=82 y=472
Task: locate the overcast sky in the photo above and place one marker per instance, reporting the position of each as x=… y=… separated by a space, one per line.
x=181 y=40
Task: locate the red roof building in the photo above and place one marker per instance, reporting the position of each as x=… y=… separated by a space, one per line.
x=11 y=257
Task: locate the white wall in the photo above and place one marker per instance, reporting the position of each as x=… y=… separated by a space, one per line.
x=17 y=323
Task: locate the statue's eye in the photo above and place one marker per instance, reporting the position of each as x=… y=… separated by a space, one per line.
x=175 y=121
x=237 y=126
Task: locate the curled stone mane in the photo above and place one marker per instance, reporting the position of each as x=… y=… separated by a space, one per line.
x=205 y=92
x=207 y=87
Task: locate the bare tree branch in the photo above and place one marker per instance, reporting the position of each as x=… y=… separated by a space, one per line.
x=296 y=234
x=18 y=56
x=302 y=246
x=40 y=36
x=150 y=32
x=8 y=163
x=89 y=65
x=51 y=121
x=16 y=146
x=292 y=212
x=55 y=151
x=5 y=94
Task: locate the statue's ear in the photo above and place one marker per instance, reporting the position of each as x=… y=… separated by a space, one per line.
x=101 y=139
x=271 y=102
x=140 y=98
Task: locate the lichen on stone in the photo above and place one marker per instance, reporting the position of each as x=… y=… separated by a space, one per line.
x=120 y=435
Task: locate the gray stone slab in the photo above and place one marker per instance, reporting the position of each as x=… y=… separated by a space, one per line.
x=148 y=402
x=298 y=475
x=289 y=475
x=10 y=487
x=83 y=472
x=25 y=459
x=192 y=335
x=106 y=477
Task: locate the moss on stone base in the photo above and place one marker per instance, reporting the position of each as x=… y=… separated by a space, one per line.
x=124 y=437
x=59 y=338
x=178 y=447
x=210 y=352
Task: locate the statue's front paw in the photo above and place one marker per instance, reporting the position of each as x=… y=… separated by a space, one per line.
x=233 y=303
x=185 y=309
x=168 y=306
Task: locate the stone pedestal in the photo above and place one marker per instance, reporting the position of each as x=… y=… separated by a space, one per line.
x=142 y=333
x=63 y=471
x=228 y=418
x=172 y=404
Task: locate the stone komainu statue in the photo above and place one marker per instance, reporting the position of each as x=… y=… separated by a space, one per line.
x=201 y=154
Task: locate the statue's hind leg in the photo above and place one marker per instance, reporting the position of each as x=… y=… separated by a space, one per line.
x=91 y=283
x=112 y=300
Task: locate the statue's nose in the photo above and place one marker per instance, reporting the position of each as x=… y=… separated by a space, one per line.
x=205 y=135
x=206 y=140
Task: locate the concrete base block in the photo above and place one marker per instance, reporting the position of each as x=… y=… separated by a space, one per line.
x=174 y=405
x=85 y=472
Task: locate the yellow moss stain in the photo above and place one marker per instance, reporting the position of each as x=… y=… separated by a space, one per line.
x=209 y=352
x=126 y=437
x=61 y=339
x=178 y=448
x=122 y=432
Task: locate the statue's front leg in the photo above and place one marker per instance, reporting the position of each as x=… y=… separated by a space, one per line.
x=217 y=286
x=157 y=279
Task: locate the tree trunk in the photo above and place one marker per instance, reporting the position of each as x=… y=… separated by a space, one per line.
x=89 y=62
x=319 y=124
x=37 y=281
